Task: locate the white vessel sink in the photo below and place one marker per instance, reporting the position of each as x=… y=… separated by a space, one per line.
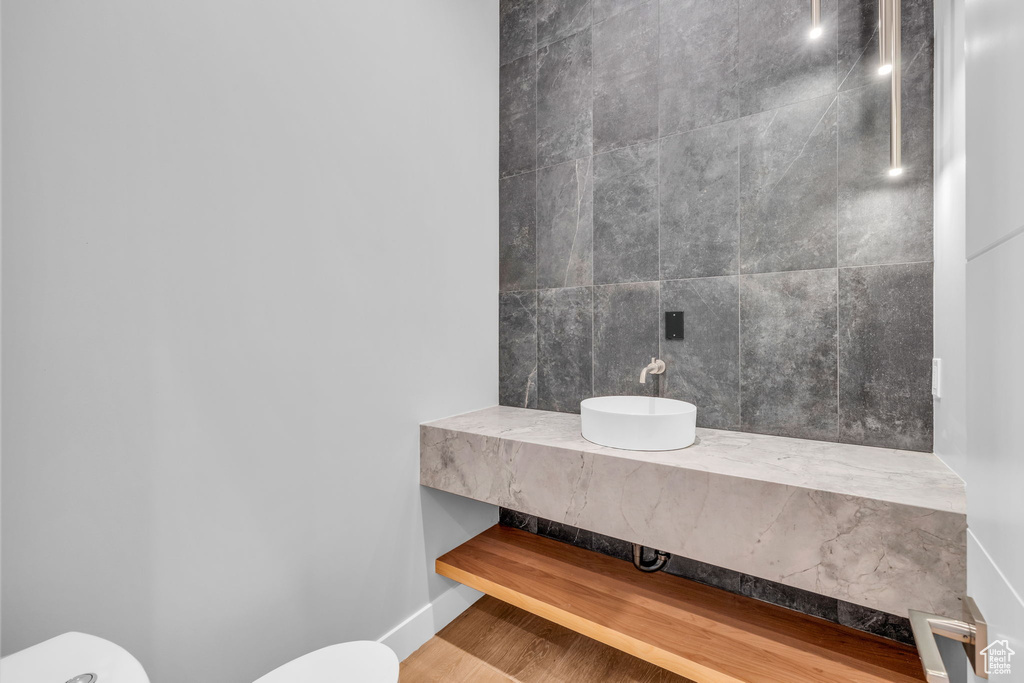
x=639 y=423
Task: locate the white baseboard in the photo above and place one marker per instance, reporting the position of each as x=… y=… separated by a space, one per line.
x=408 y=636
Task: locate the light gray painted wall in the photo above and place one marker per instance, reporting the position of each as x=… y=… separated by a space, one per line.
x=248 y=247
x=995 y=315
x=1 y=320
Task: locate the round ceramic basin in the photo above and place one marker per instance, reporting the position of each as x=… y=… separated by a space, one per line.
x=639 y=423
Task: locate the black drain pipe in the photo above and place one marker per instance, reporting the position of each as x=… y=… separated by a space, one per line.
x=661 y=558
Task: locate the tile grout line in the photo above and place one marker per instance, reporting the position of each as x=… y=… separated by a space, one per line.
x=661 y=137
x=661 y=305
x=536 y=222
x=593 y=207
x=739 y=256
x=736 y=275
x=839 y=355
x=837 y=105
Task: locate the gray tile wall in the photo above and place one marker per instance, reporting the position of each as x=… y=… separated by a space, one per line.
x=706 y=156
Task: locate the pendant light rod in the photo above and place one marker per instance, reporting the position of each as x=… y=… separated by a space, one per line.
x=896 y=125
x=815 y=19
x=884 y=36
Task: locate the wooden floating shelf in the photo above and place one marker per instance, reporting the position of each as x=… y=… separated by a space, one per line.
x=703 y=633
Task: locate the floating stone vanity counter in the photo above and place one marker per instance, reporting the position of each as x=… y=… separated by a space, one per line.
x=881 y=528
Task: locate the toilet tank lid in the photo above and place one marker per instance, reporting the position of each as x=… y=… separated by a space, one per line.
x=69 y=655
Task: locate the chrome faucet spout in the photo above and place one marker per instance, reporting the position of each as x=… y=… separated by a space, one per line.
x=655 y=367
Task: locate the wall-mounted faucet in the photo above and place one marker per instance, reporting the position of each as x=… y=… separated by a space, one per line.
x=656 y=367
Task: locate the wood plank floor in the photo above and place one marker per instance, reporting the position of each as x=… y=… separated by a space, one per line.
x=696 y=631
x=494 y=642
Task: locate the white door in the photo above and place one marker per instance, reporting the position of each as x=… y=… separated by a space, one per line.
x=994 y=463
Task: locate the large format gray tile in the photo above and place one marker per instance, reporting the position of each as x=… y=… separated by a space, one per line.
x=858 y=39
x=613 y=547
x=517 y=520
x=873 y=621
x=788 y=188
x=517 y=349
x=563 y=532
x=518 y=32
x=700 y=203
x=565 y=344
x=703 y=367
x=885 y=351
x=708 y=574
x=565 y=224
x=605 y=9
x=626 y=215
x=804 y=601
x=517 y=235
x=517 y=117
x=698 y=79
x=788 y=354
x=564 y=100
x=589 y=540
x=557 y=19
x=884 y=219
x=626 y=78
x=625 y=338
x=778 y=63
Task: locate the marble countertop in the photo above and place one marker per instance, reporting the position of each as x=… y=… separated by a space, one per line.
x=894 y=476
x=881 y=528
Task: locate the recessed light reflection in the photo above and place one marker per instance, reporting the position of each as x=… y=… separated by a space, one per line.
x=885 y=69
x=895 y=171
x=816 y=33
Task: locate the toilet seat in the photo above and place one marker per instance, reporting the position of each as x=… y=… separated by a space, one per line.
x=361 y=661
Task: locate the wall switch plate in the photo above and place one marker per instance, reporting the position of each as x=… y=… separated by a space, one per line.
x=936 y=377
x=673 y=325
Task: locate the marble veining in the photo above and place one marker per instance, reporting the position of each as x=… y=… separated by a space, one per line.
x=626 y=79
x=518 y=29
x=788 y=188
x=565 y=224
x=626 y=215
x=877 y=527
x=699 y=198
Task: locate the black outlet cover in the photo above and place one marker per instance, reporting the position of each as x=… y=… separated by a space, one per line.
x=673 y=324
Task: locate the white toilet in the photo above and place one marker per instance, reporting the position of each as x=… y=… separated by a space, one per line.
x=81 y=658
x=361 y=661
